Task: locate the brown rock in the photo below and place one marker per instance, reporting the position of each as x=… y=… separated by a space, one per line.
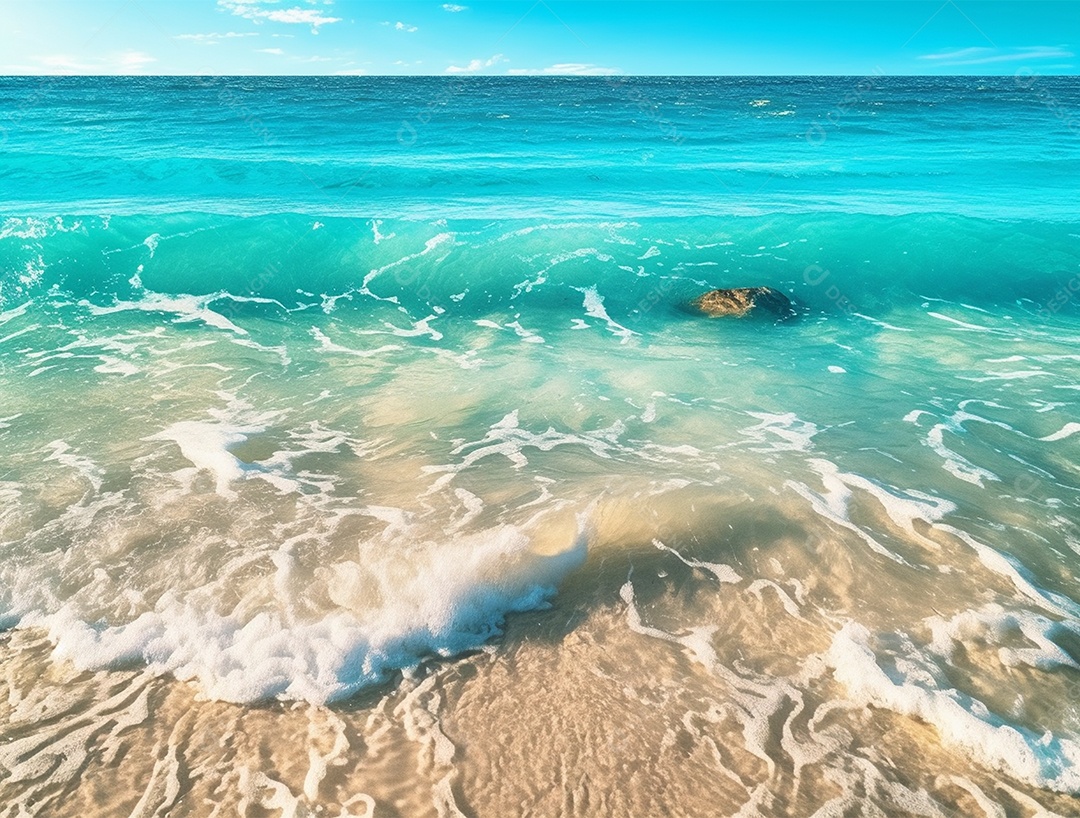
x=742 y=301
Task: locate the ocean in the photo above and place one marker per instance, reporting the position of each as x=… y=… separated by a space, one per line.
x=362 y=453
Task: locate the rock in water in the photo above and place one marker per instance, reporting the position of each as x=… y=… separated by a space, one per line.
x=743 y=300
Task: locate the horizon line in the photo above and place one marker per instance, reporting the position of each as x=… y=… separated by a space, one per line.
x=529 y=77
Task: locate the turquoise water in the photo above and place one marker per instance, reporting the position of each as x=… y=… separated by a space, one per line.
x=315 y=387
x=498 y=148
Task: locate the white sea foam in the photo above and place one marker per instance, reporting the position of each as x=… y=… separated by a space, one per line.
x=560 y=258
x=443 y=242
x=19 y=332
x=753 y=702
x=919 y=689
x=594 y=307
x=993 y=624
x=125 y=345
x=903 y=507
x=327 y=345
x=696 y=640
x=186 y=308
x=833 y=503
x=376 y=235
x=723 y=573
x=466 y=360
x=28 y=228
x=1006 y=376
x=1068 y=430
x=526 y=335
x=473 y=507
x=115 y=366
x=14 y=312
x=392 y=611
x=878 y=323
x=1009 y=567
x=955 y=464
x=62 y=453
x=780 y=432
x=659 y=453
x=420 y=327
x=206 y=443
x=508 y=439
x=758 y=588
x=964 y=325
x=524 y=231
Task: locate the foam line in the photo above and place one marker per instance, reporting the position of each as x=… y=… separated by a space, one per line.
x=723 y=573
x=1012 y=569
x=833 y=504
x=921 y=692
x=1068 y=430
x=780 y=432
x=443 y=601
x=594 y=307
x=186 y=308
x=994 y=624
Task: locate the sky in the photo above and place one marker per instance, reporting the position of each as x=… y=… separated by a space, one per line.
x=518 y=37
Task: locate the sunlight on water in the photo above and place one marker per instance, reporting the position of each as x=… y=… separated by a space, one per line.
x=336 y=505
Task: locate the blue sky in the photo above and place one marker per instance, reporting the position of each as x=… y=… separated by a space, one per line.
x=538 y=37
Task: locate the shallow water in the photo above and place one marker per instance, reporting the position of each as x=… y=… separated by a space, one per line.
x=353 y=470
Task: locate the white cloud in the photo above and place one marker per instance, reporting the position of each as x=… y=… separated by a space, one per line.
x=63 y=64
x=305 y=16
x=276 y=51
x=132 y=62
x=400 y=26
x=122 y=62
x=956 y=53
x=454 y=8
x=983 y=55
x=256 y=10
x=579 y=69
x=475 y=65
x=213 y=39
